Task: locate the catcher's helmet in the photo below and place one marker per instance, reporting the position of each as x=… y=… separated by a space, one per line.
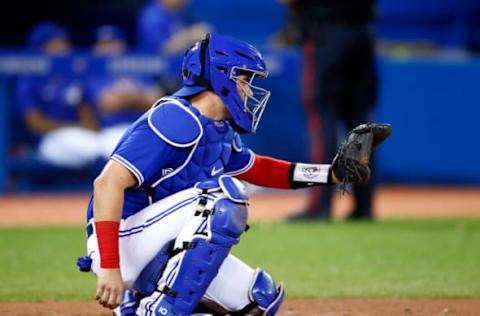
x=216 y=63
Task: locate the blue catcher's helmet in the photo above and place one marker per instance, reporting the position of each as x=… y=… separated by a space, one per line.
x=228 y=67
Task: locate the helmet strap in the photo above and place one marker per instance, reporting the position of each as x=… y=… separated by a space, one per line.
x=202 y=79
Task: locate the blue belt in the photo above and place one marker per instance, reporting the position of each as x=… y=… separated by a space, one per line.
x=89 y=230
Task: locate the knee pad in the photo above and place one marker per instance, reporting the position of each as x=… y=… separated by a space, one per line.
x=228 y=222
x=265 y=296
x=230 y=214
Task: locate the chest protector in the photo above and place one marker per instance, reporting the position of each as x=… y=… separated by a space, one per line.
x=210 y=143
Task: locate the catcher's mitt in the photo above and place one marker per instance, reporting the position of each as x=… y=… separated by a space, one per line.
x=352 y=162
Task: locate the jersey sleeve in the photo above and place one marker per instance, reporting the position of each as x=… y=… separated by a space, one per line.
x=145 y=154
x=240 y=162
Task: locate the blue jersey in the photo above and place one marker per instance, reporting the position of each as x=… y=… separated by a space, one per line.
x=96 y=85
x=172 y=147
x=55 y=97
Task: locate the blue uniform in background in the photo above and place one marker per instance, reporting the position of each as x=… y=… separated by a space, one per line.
x=51 y=106
x=56 y=97
x=155 y=26
x=94 y=88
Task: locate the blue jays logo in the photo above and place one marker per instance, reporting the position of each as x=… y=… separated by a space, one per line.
x=310 y=172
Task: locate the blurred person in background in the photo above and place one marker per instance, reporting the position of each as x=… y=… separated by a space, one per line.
x=339 y=83
x=163 y=27
x=117 y=101
x=52 y=107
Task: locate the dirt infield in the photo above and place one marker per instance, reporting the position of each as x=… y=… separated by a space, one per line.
x=390 y=202
x=311 y=307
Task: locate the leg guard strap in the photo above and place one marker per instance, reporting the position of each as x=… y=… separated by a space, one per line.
x=147 y=281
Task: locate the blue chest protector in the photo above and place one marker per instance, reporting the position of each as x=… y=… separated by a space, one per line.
x=206 y=147
x=207 y=158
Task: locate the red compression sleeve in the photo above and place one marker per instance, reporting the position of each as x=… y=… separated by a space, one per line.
x=268 y=172
x=107 y=237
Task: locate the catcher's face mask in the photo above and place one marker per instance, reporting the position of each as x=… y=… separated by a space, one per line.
x=254 y=98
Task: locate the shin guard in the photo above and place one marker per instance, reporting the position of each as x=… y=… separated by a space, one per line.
x=199 y=251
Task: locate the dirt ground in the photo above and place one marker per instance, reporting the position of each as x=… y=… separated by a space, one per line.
x=303 y=307
x=390 y=202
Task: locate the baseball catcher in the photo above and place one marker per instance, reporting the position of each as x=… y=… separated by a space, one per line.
x=169 y=205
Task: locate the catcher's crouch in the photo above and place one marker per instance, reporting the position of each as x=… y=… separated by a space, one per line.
x=168 y=206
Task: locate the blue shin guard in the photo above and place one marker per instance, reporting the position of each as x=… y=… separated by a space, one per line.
x=193 y=267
